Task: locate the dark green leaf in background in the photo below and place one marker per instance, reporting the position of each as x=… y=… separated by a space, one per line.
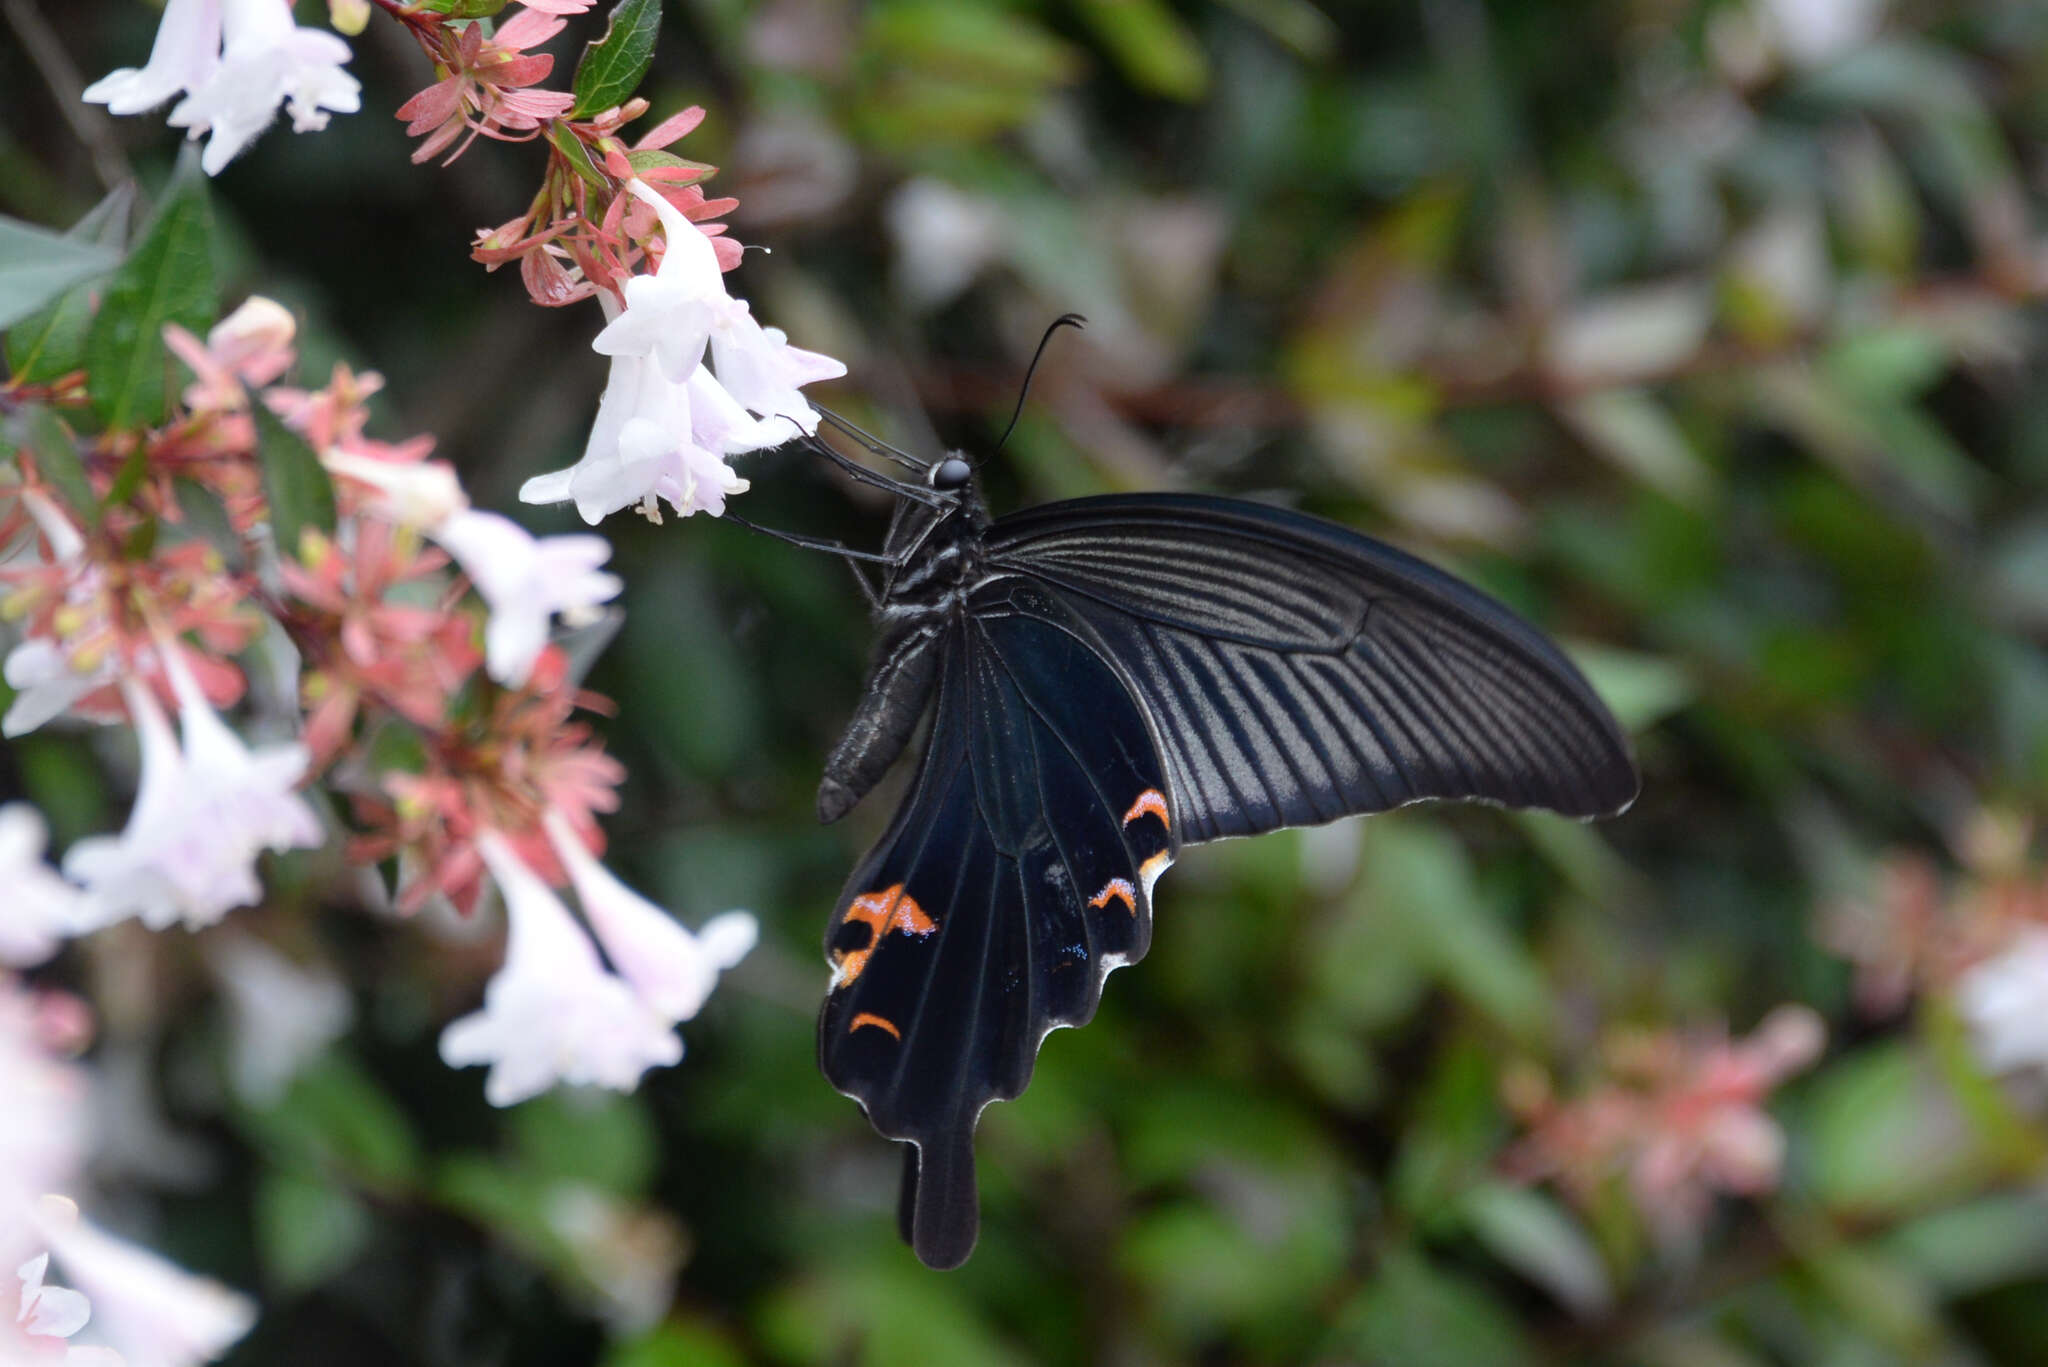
x=296 y=483
x=1152 y=45
x=612 y=66
x=168 y=278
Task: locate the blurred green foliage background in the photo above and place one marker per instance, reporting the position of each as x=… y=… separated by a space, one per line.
x=1705 y=333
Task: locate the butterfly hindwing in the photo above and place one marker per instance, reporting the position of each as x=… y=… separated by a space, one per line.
x=1014 y=877
x=1296 y=672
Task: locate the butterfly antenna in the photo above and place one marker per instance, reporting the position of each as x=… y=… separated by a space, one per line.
x=1065 y=320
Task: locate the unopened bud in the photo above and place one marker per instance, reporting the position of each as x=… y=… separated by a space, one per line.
x=349 y=17
x=260 y=324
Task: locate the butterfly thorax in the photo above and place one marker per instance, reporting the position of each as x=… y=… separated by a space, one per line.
x=940 y=550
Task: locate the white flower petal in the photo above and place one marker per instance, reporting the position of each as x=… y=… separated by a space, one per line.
x=266 y=62
x=41 y=908
x=525 y=580
x=184 y=56
x=764 y=373
x=201 y=818
x=45 y=684
x=672 y=970
x=670 y=314
x=553 y=1014
x=2005 y=1002
x=42 y=1140
x=153 y=1311
x=51 y=1311
x=420 y=494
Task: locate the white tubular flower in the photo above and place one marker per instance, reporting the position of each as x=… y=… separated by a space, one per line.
x=184 y=57
x=763 y=372
x=553 y=1014
x=268 y=61
x=201 y=817
x=41 y=908
x=525 y=579
x=46 y=684
x=152 y=1311
x=42 y=1142
x=284 y=1015
x=2005 y=1002
x=671 y=313
x=647 y=445
x=420 y=494
x=672 y=969
x=44 y=678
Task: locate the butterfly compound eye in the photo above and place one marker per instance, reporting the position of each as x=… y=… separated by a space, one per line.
x=952 y=473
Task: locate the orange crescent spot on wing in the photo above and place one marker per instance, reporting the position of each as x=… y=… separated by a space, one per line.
x=1152 y=868
x=882 y=912
x=1153 y=801
x=870 y=1018
x=1114 y=888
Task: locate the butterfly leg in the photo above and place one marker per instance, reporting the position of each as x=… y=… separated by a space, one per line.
x=818 y=543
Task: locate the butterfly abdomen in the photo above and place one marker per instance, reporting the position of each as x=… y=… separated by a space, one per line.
x=899 y=684
x=918 y=602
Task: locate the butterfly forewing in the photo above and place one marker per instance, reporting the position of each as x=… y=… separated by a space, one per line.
x=1016 y=875
x=1296 y=672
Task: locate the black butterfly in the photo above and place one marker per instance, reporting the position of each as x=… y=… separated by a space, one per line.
x=1110 y=678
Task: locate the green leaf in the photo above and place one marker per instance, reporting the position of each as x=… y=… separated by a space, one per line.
x=677 y=1345
x=612 y=66
x=1152 y=45
x=1541 y=1240
x=52 y=342
x=648 y=158
x=307 y=1229
x=465 y=9
x=167 y=279
x=599 y=1140
x=577 y=155
x=881 y=1310
x=1414 y=1314
x=334 y=1116
x=128 y=478
x=56 y=453
x=1417 y=875
x=1641 y=690
x=1967 y=1249
x=294 y=480
x=1882 y=1135
x=37 y=265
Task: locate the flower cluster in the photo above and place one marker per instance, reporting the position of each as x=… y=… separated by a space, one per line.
x=1979 y=940
x=234 y=62
x=118 y=621
x=137 y=1307
x=593 y=1027
x=1674 y=1119
x=667 y=424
